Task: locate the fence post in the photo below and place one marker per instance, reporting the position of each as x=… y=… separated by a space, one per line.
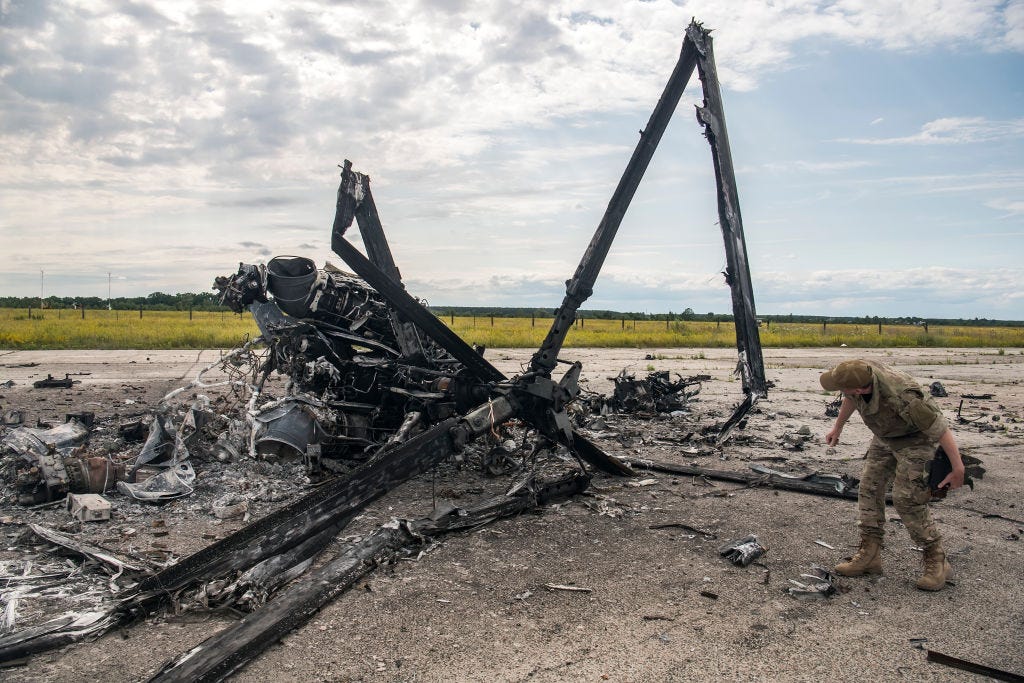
x=824 y=327
x=492 y=321
x=83 y=311
x=29 y=312
x=189 y=312
x=879 y=328
x=533 y=320
x=926 y=328
x=453 y=319
x=623 y=323
x=582 y=324
x=474 y=322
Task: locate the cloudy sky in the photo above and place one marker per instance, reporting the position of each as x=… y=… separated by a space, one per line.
x=879 y=147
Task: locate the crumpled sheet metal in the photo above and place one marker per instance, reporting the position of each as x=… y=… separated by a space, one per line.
x=28 y=442
x=288 y=426
x=174 y=482
x=101 y=555
x=822 y=584
x=743 y=551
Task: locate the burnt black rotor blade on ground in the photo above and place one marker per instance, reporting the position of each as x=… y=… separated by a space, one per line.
x=332 y=505
x=308 y=515
x=231 y=649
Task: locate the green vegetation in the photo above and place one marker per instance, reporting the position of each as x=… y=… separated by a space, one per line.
x=524 y=332
x=123 y=329
x=103 y=329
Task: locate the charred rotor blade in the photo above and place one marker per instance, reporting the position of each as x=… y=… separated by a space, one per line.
x=712 y=117
x=333 y=503
x=231 y=649
x=356 y=201
x=401 y=301
x=589 y=451
x=581 y=286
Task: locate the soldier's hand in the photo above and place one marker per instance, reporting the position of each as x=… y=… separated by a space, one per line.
x=832 y=437
x=953 y=480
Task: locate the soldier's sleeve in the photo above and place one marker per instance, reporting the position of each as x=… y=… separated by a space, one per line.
x=925 y=415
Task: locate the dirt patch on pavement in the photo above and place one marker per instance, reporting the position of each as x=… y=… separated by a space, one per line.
x=662 y=604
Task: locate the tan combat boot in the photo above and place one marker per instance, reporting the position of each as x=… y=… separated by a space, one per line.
x=936 y=568
x=867 y=559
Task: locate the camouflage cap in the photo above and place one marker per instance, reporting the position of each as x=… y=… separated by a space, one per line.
x=850 y=374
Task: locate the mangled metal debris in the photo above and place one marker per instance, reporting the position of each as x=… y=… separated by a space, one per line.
x=52 y=382
x=47 y=464
x=656 y=393
x=379 y=391
x=743 y=551
x=103 y=556
x=819 y=584
x=43 y=465
x=833 y=486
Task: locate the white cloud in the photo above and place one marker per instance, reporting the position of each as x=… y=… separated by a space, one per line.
x=156 y=138
x=804 y=166
x=1012 y=207
x=953 y=131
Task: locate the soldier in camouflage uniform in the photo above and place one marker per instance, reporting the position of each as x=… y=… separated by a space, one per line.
x=907 y=425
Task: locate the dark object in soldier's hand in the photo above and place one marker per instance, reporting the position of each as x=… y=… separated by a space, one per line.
x=939 y=469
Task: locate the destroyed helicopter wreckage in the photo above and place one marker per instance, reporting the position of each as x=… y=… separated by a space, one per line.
x=379 y=391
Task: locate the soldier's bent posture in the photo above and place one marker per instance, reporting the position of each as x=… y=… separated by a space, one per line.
x=907 y=425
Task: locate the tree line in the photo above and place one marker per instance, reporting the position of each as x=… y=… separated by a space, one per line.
x=208 y=301
x=157 y=301
x=688 y=315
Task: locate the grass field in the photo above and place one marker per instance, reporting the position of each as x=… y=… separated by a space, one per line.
x=100 y=329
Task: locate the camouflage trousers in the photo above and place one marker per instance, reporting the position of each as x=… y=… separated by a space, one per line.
x=907 y=469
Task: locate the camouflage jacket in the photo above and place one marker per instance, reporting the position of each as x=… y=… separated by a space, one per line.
x=898 y=410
